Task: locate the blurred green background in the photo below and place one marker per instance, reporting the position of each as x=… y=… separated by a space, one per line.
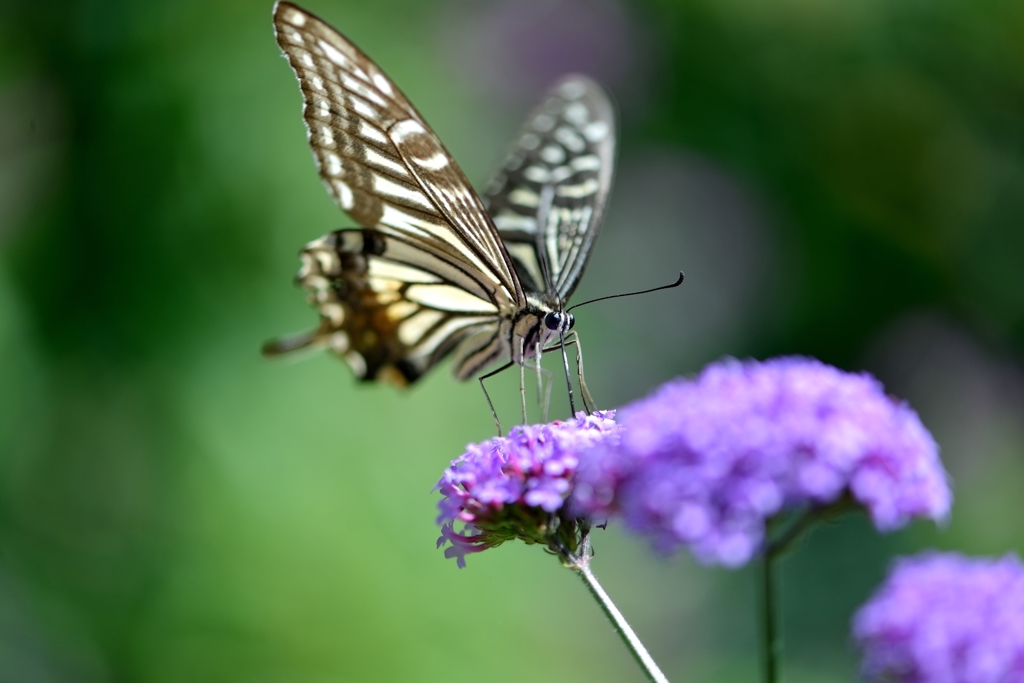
x=837 y=178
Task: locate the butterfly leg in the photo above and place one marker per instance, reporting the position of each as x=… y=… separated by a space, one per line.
x=497 y=422
x=547 y=395
x=588 y=401
x=541 y=375
x=543 y=385
x=538 y=355
x=568 y=377
x=522 y=380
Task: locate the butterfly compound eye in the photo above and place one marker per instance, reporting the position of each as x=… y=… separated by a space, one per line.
x=552 y=320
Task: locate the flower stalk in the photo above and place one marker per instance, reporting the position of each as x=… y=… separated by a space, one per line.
x=580 y=563
x=769 y=637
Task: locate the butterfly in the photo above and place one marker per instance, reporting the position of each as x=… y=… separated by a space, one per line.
x=435 y=268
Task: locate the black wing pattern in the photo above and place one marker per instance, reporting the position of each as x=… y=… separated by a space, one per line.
x=428 y=271
x=549 y=197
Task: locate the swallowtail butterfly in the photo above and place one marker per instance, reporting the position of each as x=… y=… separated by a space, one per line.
x=435 y=269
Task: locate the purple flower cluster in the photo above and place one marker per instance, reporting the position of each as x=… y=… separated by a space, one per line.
x=945 y=618
x=705 y=462
x=513 y=486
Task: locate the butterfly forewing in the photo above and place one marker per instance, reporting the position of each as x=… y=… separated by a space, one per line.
x=430 y=270
x=549 y=197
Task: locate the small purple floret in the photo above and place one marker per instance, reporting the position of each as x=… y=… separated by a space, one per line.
x=705 y=462
x=512 y=486
x=945 y=618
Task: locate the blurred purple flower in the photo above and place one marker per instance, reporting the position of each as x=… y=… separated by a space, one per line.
x=945 y=618
x=514 y=486
x=705 y=462
x=515 y=50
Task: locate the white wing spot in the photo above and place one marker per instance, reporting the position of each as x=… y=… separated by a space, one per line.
x=351 y=240
x=402 y=309
x=596 y=131
x=346 y=198
x=306 y=59
x=317 y=82
x=363 y=109
x=397 y=271
x=584 y=189
x=294 y=36
x=335 y=312
x=361 y=89
x=357 y=363
x=587 y=162
x=374 y=157
x=576 y=114
x=382 y=285
x=307 y=266
x=371 y=132
x=513 y=221
x=339 y=342
x=537 y=174
x=572 y=90
x=327 y=261
x=325 y=108
x=571 y=139
x=333 y=54
x=333 y=164
x=525 y=197
x=434 y=163
x=497 y=183
x=394 y=191
x=561 y=173
x=295 y=17
x=529 y=141
x=403 y=222
x=553 y=154
x=317 y=282
x=448 y=298
x=543 y=122
x=382 y=84
x=403 y=129
x=325 y=242
x=326 y=136
x=413 y=329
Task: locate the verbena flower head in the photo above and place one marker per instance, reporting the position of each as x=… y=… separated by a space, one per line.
x=945 y=618
x=515 y=486
x=705 y=462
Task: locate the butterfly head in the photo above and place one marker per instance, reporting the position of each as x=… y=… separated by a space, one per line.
x=559 y=321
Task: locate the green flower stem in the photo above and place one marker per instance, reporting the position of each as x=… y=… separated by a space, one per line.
x=777 y=544
x=769 y=637
x=580 y=563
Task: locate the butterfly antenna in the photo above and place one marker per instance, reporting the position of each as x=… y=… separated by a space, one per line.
x=616 y=296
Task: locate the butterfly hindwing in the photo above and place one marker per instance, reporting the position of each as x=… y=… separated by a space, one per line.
x=384 y=307
x=549 y=197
